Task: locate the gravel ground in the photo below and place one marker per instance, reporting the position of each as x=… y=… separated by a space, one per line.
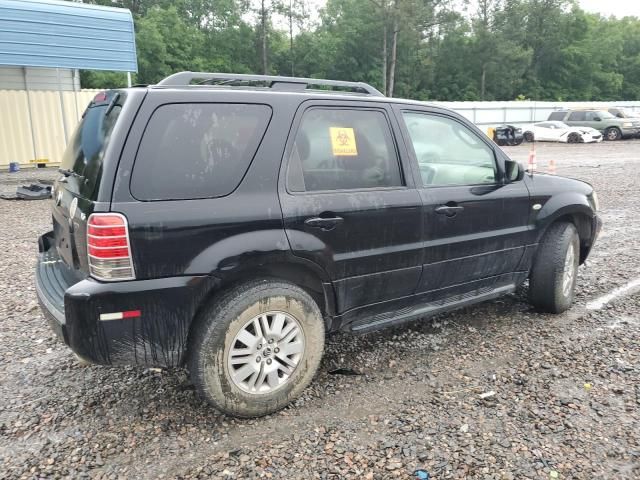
x=563 y=392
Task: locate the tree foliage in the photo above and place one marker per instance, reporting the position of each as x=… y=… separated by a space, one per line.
x=424 y=49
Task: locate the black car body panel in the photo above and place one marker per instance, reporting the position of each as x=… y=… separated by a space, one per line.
x=370 y=257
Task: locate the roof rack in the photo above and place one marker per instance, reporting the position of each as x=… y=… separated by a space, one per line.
x=274 y=82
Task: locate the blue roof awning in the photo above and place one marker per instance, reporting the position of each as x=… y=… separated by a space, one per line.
x=57 y=34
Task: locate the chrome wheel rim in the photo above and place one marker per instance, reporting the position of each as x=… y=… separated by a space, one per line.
x=266 y=352
x=569 y=270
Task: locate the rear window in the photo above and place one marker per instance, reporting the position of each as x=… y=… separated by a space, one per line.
x=557 y=116
x=85 y=151
x=197 y=150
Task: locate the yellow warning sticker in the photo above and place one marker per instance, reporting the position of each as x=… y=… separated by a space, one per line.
x=343 y=142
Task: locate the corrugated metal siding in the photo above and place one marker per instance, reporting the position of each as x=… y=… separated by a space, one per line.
x=66 y=35
x=13 y=78
x=17 y=144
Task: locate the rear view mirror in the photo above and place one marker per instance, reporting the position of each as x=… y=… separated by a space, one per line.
x=514 y=171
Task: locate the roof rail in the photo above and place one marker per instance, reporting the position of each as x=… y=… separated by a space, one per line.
x=275 y=82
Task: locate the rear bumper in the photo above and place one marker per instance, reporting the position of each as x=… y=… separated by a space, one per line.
x=158 y=337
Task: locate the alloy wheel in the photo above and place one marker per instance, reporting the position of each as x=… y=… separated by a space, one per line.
x=265 y=352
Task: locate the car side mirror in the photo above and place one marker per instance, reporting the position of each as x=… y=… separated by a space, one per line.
x=597 y=119
x=514 y=171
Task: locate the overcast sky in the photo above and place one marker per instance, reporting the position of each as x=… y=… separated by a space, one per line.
x=619 y=8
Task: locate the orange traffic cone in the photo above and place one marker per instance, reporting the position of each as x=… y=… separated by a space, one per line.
x=552 y=166
x=532 y=159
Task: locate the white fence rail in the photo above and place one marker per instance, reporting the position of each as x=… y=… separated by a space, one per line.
x=492 y=114
x=36 y=125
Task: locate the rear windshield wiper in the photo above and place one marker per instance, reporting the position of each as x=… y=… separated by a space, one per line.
x=112 y=104
x=68 y=172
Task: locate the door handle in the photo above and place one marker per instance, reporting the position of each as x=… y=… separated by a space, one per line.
x=324 y=223
x=448 y=210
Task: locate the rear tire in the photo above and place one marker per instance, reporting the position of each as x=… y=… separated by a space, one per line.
x=553 y=277
x=254 y=350
x=612 y=134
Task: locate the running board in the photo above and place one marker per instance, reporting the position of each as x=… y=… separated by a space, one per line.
x=433 y=308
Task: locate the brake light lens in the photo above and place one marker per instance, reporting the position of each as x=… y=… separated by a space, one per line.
x=108 y=247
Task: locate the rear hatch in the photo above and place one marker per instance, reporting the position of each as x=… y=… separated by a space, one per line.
x=76 y=192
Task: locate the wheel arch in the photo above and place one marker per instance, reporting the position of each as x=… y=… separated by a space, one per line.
x=580 y=219
x=297 y=271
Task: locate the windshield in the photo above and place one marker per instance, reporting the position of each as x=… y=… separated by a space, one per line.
x=83 y=158
x=604 y=115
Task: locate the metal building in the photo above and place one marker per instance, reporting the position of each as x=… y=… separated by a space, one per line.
x=43 y=44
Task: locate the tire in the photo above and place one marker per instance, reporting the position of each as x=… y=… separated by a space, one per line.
x=574 y=138
x=215 y=337
x=528 y=136
x=550 y=290
x=612 y=134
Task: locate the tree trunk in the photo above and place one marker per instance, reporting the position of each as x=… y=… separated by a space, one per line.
x=482 y=80
x=384 y=56
x=394 y=56
x=264 y=38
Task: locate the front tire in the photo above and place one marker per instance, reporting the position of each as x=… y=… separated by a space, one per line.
x=528 y=136
x=553 y=277
x=612 y=134
x=574 y=138
x=257 y=348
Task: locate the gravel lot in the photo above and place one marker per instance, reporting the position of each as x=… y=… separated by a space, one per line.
x=566 y=400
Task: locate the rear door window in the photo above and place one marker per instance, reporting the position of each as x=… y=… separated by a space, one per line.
x=343 y=149
x=577 y=116
x=197 y=150
x=84 y=155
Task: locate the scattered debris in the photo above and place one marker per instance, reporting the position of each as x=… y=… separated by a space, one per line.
x=34 y=191
x=487 y=394
x=344 y=371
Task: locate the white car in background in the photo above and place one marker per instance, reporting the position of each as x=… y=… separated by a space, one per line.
x=554 y=131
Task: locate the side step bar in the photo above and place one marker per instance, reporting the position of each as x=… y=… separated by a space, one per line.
x=434 y=308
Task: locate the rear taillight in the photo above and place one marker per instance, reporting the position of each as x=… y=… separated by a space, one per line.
x=108 y=247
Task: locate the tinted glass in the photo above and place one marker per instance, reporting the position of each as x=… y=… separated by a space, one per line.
x=84 y=154
x=577 y=116
x=199 y=150
x=448 y=152
x=557 y=116
x=602 y=114
x=336 y=149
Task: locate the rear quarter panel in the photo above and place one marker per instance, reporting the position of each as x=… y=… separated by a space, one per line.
x=214 y=235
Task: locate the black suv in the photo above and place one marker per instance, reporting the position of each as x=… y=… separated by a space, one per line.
x=228 y=225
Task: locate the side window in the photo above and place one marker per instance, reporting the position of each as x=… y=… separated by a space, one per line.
x=557 y=116
x=449 y=153
x=197 y=150
x=577 y=117
x=338 y=149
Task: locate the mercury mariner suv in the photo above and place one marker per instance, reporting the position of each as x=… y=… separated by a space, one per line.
x=227 y=223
